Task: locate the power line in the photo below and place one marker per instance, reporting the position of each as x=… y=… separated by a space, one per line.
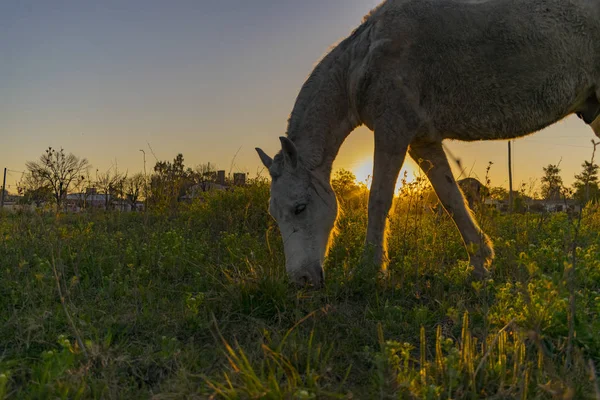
x=569 y=137
x=554 y=144
x=510 y=179
x=3 y=190
x=513 y=159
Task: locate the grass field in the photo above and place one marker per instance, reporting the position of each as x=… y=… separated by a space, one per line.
x=196 y=304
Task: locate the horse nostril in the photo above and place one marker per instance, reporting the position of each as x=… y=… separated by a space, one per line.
x=310 y=276
x=303 y=280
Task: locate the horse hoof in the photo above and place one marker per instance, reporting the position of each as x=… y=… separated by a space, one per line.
x=480 y=273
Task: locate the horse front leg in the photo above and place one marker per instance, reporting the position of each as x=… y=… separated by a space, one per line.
x=432 y=160
x=389 y=156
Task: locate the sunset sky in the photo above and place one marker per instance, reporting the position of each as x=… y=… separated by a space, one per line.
x=104 y=79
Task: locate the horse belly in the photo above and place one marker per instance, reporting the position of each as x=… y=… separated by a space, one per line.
x=494 y=129
x=494 y=104
x=496 y=121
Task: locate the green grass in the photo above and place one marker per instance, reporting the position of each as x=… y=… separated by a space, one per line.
x=196 y=303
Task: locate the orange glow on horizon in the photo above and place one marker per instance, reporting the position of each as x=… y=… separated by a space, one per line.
x=364 y=172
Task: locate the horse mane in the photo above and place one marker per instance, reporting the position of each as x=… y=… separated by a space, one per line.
x=314 y=88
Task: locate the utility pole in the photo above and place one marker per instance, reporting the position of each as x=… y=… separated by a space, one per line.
x=510 y=181
x=144 y=153
x=3 y=189
x=145 y=184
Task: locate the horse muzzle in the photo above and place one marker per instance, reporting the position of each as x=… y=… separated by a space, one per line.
x=309 y=275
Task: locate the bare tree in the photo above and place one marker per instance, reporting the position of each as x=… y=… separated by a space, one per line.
x=34 y=190
x=586 y=183
x=59 y=171
x=134 y=188
x=110 y=184
x=203 y=175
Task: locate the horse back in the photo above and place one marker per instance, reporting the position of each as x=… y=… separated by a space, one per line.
x=489 y=69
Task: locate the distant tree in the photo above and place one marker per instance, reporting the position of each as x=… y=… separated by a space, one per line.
x=169 y=182
x=417 y=193
x=552 y=183
x=111 y=185
x=203 y=175
x=59 y=171
x=586 y=184
x=349 y=193
x=34 y=190
x=134 y=187
x=498 y=193
x=343 y=183
x=84 y=195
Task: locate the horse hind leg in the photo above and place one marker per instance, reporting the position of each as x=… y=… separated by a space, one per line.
x=589 y=112
x=595 y=123
x=431 y=158
x=590 y=109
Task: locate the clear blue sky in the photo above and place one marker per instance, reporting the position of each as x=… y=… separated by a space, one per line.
x=204 y=78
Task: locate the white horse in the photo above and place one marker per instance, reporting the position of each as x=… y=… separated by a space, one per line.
x=417 y=72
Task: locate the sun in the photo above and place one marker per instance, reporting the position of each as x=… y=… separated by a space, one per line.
x=364 y=172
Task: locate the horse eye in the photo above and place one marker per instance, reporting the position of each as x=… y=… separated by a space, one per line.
x=299 y=209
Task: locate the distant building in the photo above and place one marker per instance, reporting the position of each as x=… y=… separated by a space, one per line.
x=476 y=193
x=537 y=205
x=221 y=177
x=13 y=202
x=554 y=205
x=220 y=184
x=197 y=191
x=91 y=199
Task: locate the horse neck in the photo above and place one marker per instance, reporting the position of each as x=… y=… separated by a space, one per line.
x=323 y=116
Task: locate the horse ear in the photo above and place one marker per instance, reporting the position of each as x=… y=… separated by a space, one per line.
x=266 y=160
x=289 y=151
